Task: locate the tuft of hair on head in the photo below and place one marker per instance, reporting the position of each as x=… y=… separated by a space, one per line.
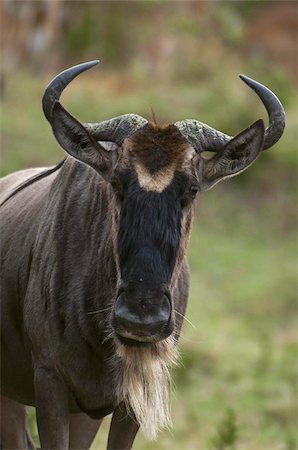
x=153 y=117
x=144 y=383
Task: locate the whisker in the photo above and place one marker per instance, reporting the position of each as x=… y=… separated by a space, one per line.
x=109 y=336
x=108 y=329
x=190 y=340
x=100 y=310
x=187 y=320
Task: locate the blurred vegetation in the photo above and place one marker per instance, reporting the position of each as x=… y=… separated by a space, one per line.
x=236 y=387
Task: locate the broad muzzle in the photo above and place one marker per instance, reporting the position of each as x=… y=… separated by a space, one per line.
x=142 y=317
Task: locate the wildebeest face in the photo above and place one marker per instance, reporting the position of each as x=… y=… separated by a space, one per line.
x=154 y=185
x=154 y=175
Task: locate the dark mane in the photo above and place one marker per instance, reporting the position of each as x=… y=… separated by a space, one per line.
x=32 y=180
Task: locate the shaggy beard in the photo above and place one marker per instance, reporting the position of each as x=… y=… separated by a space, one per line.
x=144 y=383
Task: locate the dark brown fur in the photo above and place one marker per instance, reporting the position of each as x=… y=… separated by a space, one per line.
x=158 y=147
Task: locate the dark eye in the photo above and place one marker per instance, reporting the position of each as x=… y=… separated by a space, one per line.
x=193 y=191
x=189 y=196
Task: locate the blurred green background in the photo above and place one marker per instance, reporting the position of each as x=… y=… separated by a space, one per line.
x=236 y=387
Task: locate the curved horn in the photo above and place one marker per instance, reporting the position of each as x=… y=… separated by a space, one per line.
x=116 y=129
x=202 y=137
x=56 y=86
x=276 y=113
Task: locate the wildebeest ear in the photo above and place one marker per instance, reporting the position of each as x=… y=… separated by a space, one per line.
x=78 y=142
x=238 y=154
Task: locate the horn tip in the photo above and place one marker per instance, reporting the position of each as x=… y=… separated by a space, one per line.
x=92 y=63
x=253 y=84
x=244 y=78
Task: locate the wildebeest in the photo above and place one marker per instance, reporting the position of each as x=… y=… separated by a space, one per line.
x=94 y=274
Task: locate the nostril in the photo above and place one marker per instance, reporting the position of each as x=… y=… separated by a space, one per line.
x=165 y=309
x=121 y=310
x=141 y=317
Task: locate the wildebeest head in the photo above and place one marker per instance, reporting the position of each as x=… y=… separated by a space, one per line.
x=154 y=174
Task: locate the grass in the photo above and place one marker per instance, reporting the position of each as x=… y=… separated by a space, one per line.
x=236 y=387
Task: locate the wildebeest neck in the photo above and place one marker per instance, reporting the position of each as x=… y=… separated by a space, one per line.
x=77 y=247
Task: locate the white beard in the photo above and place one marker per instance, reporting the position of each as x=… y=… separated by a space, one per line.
x=143 y=383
